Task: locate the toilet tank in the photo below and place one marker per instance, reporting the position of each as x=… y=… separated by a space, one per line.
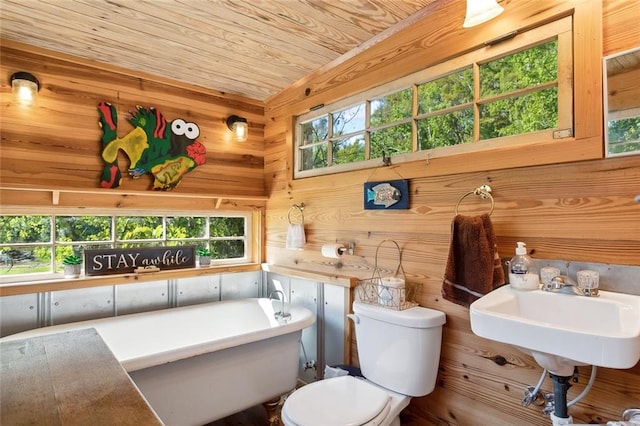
x=399 y=350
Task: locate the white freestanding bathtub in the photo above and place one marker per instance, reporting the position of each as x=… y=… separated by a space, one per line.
x=199 y=363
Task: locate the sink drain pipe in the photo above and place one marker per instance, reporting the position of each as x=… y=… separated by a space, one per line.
x=561 y=385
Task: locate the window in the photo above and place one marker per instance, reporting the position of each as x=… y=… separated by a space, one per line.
x=622 y=103
x=36 y=244
x=519 y=90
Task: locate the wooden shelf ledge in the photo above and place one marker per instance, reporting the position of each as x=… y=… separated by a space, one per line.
x=30 y=287
x=341 y=280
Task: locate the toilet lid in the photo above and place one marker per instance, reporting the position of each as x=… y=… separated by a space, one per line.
x=339 y=401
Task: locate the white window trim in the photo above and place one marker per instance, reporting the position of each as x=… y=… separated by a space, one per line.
x=47 y=276
x=561 y=28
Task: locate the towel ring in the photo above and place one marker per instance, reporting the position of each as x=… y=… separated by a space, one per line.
x=299 y=208
x=483 y=192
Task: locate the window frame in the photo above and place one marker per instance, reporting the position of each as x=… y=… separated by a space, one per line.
x=560 y=29
x=250 y=227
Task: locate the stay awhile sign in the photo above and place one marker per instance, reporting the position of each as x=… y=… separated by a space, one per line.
x=124 y=261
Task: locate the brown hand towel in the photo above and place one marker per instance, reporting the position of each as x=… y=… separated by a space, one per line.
x=473 y=268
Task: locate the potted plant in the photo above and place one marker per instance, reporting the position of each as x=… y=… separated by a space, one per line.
x=204 y=257
x=72 y=266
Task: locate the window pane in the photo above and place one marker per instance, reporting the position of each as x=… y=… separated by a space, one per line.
x=25 y=229
x=17 y=260
x=391 y=108
x=186 y=227
x=227 y=249
x=348 y=120
x=392 y=140
x=134 y=244
x=83 y=228
x=226 y=226
x=446 y=130
x=529 y=113
x=314 y=157
x=314 y=131
x=445 y=92
x=348 y=150
x=528 y=68
x=138 y=227
x=624 y=135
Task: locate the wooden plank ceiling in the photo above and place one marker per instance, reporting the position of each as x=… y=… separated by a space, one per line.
x=253 y=48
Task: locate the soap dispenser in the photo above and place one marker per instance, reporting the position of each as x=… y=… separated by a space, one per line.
x=522 y=273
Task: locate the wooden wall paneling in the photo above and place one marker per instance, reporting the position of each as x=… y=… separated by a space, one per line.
x=620 y=21
x=64 y=125
x=100 y=201
x=622 y=91
x=580 y=210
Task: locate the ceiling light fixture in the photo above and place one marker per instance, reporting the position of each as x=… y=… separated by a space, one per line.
x=480 y=11
x=239 y=127
x=24 y=86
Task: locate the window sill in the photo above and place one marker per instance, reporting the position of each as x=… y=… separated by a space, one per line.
x=29 y=287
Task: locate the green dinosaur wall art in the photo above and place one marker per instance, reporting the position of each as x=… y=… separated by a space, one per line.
x=166 y=149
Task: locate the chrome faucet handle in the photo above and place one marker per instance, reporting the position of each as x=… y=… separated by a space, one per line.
x=631 y=415
x=590 y=292
x=562 y=281
x=281 y=314
x=564 y=284
x=548 y=286
x=555 y=283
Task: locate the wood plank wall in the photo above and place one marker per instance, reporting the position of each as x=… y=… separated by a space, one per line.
x=578 y=210
x=56 y=144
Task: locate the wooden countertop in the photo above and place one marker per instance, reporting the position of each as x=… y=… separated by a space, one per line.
x=339 y=280
x=69 y=378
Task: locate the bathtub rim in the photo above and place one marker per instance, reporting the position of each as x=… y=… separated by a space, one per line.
x=301 y=318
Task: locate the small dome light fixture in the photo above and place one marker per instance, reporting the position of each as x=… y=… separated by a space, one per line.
x=480 y=11
x=239 y=127
x=24 y=86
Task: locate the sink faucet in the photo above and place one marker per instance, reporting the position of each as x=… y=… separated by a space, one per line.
x=564 y=284
x=281 y=314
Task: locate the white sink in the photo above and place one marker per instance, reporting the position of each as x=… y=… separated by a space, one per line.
x=562 y=330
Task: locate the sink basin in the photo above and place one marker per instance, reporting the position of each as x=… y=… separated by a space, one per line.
x=562 y=330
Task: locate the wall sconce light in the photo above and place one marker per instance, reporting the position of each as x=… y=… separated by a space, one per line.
x=479 y=11
x=24 y=86
x=239 y=127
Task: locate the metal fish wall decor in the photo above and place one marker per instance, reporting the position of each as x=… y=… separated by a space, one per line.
x=166 y=149
x=392 y=194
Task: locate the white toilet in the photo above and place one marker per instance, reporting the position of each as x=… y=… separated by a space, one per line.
x=399 y=353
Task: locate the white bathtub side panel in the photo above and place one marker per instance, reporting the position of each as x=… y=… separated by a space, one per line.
x=192 y=291
x=278 y=282
x=199 y=390
x=240 y=285
x=142 y=297
x=83 y=304
x=305 y=293
x=336 y=308
x=18 y=313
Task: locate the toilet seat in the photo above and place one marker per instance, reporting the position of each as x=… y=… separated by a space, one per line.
x=339 y=401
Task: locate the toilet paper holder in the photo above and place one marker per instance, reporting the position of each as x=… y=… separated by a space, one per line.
x=336 y=250
x=349 y=249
